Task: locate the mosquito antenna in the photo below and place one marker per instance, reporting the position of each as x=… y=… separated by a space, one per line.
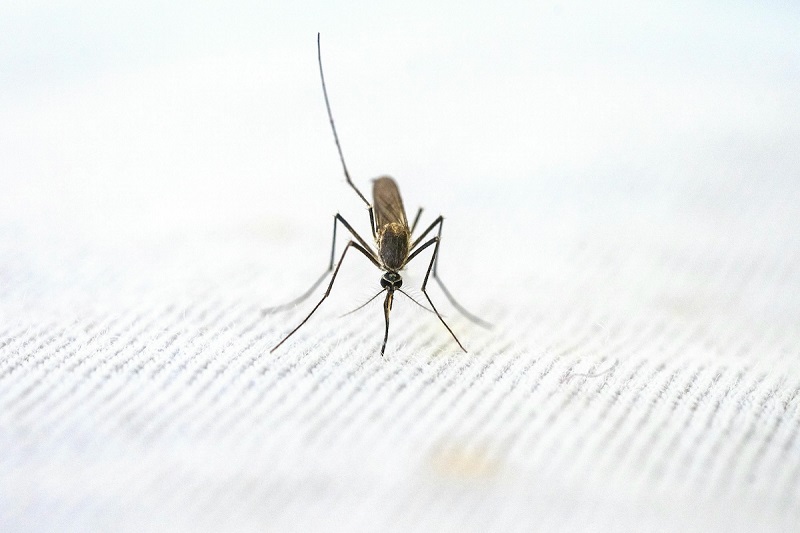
x=333 y=127
x=413 y=300
x=363 y=305
x=381 y=292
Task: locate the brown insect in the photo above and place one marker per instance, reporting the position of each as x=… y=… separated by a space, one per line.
x=393 y=239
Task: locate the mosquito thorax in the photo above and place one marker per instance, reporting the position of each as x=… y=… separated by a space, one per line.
x=391 y=280
x=393 y=244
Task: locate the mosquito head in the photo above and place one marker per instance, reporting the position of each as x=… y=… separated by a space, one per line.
x=391 y=281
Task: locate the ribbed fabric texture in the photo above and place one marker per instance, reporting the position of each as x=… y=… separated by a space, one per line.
x=640 y=376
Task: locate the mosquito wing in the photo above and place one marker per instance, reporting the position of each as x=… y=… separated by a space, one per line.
x=387 y=204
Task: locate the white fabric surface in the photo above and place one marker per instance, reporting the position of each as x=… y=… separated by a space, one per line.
x=622 y=204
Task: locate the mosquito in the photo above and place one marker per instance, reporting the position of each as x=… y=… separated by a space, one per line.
x=393 y=239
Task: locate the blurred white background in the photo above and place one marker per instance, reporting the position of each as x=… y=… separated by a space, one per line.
x=127 y=119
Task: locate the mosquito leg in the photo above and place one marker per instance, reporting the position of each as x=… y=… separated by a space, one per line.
x=440 y=222
x=416 y=219
x=338 y=144
x=330 y=286
x=336 y=219
x=372 y=223
x=418 y=240
x=435 y=240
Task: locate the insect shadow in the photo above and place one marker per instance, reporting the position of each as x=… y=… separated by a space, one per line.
x=393 y=240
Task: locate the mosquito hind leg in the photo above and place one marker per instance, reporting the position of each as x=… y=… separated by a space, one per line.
x=330 y=286
x=337 y=218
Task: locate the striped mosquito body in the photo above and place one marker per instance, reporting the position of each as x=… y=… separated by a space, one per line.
x=392 y=237
x=394 y=245
x=392 y=234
